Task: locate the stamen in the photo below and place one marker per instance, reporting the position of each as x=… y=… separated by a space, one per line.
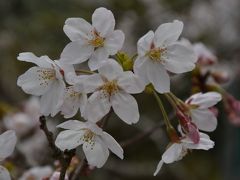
x=109 y=88
x=72 y=93
x=156 y=54
x=45 y=75
x=89 y=137
x=97 y=40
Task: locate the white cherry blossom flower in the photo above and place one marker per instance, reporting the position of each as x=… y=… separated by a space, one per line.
x=177 y=151
x=37 y=173
x=112 y=88
x=45 y=80
x=95 y=142
x=160 y=52
x=199 y=110
x=94 y=42
x=7 y=144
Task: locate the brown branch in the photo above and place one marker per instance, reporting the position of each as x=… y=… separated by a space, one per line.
x=144 y=134
x=140 y=136
x=64 y=157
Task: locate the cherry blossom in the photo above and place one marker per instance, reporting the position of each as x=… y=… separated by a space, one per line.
x=177 y=151
x=112 y=88
x=94 y=42
x=160 y=52
x=95 y=142
x=200 y=113
x=45 y=80
x=7 y=144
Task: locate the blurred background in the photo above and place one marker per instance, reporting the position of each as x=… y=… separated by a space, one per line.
x=36 y=26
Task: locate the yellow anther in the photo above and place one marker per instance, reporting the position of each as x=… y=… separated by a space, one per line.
x=155 y=54
x=44 y=75
x=97 y=41
x=88 y=136
x=110 y=87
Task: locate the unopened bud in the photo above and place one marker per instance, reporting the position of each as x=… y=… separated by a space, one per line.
x=125 y=61
x=189 y=128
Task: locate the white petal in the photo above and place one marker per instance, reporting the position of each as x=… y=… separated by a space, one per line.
x=52 y=100
x=114 y=42
x=180 y=58
x=140 y=68
x=125 y=106
x=103 y=21
x=72 y=102
x=112 y=144
x=204 y=119
x=69 y=139
x=4 y=174
x=205 y=100
x=205 y=143
x=110 y=70
x=94 y=128
x=144 y=43
x=159 y=166
x=42 y=61
x=98 y=106
x=68 y=70
x=96 y=60
x=76 y=52
x=77 y=29
x=91 y=82
x=7 y=144
x=82 y=104
x=173 y=153
x=33 y=81
x=168 y=33
x=130 y=83
x=72 y=125
x=158 y=76
x=96 y=153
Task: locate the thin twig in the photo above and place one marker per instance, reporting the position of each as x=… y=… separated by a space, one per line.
x=144 y=134
x=64 y=157
x=141 y=136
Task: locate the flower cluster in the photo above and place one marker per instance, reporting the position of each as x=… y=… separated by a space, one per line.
x=109 y=84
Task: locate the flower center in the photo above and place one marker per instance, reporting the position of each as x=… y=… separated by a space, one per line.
x=155 y=54
x=110 y=87
x=88 y=137
x=45 y=75
x=97 y=41
x=72 y=93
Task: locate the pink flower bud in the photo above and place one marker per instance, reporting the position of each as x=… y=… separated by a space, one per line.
x=232 y=107
x=188 y=127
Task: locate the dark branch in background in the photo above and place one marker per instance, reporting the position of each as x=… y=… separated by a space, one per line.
x=141 y=136
x=64 y=157
x=144 y=134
